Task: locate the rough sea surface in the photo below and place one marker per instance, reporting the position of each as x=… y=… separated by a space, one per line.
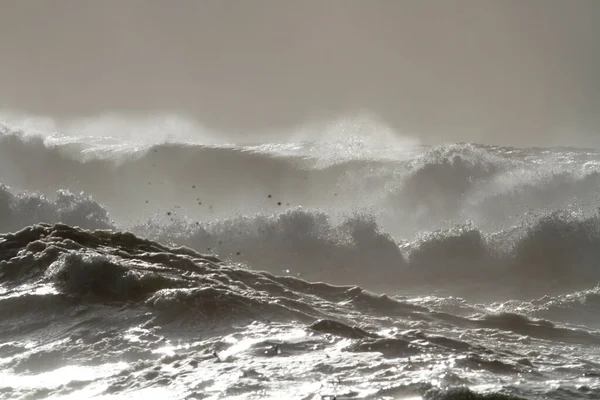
x=359 y=266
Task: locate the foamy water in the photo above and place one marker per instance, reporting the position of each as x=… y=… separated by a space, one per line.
x=357 y=265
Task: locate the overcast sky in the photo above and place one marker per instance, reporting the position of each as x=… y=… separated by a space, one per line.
x=524 y=72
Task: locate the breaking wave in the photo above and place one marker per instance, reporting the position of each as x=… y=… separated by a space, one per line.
x=420 y=189
x=550 y=253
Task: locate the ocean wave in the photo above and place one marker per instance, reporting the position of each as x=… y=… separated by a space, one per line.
x=23 y=209
x=422 y=189
x=490 y=185
x=160 y=177
x=205 y=181
x=111 y=267
x=441 y=177
x=551 y=253
x=547 y=254
x=298 y=242
x=579 y=308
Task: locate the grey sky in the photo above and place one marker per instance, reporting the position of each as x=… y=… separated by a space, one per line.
x=524 y=72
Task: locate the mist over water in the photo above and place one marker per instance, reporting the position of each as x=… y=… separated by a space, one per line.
x=495 y=72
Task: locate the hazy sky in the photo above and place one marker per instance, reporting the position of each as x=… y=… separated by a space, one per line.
x=523 y=72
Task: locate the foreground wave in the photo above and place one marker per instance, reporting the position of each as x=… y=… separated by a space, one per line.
x=106 y=313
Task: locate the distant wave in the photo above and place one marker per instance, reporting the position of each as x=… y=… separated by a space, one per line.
x=164 y=175
x=206 y=181
x=422 y=190
x=495 y=187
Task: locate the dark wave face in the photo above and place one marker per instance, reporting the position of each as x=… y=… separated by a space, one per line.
x=340 y=268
